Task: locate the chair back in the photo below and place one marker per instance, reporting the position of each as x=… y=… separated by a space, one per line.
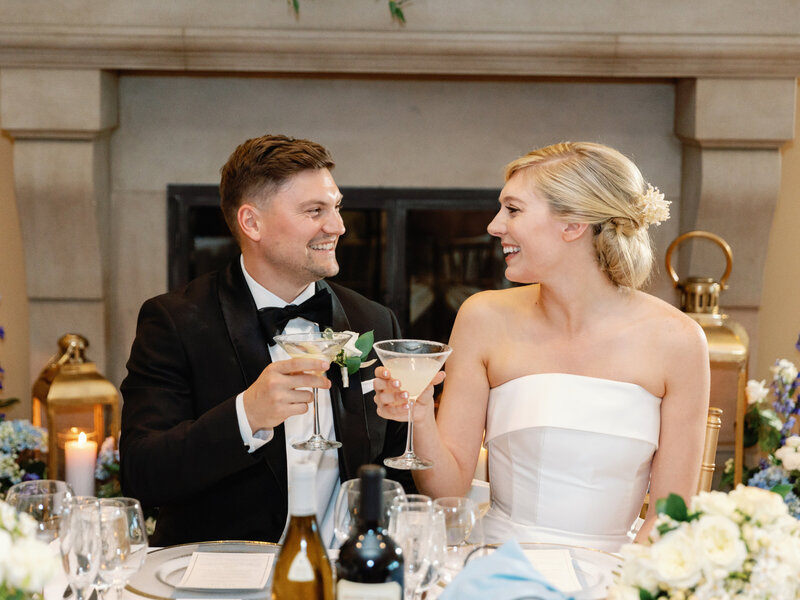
x=713 y=424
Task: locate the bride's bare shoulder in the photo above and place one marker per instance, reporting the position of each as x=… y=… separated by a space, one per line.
x=670 y=324
x=492 y=304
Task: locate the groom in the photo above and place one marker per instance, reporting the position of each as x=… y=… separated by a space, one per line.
x=212 y=404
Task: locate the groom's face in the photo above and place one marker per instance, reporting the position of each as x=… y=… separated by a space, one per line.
x=302 y=226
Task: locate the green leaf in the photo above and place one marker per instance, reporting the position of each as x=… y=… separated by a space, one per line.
x=782 y=489
x=396 y=11
x=769 y=433
x=295 y=5
x=645 y=595
x=364 y=343
x=352 y=363
x=673 y=506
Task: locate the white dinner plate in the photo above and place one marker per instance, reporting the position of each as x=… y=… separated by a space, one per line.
x=163 y=569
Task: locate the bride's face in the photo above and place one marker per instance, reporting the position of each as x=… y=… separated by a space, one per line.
x=530 y=234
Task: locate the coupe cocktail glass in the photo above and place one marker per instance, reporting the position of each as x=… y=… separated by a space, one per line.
x=325 y=346
x=414 y=363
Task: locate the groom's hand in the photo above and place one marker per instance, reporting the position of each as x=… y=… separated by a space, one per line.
x=275 y=395
x=392 y=400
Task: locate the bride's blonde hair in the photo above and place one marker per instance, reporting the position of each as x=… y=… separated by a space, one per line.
x=585 y=182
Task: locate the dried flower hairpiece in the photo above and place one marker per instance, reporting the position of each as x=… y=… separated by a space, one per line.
x=654 y=208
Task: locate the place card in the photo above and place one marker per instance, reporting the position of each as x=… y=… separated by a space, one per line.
x=227 y=571
x=556 y=567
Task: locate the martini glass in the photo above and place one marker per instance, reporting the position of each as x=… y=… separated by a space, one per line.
x=414 y=363
x=325 y=346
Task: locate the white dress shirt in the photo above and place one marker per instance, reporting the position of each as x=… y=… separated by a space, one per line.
x=298 y=428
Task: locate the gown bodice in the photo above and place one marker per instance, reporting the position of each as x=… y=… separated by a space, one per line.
x=569 y=459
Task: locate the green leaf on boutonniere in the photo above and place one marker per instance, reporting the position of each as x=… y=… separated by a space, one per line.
x=364 y=343
x=673 y=506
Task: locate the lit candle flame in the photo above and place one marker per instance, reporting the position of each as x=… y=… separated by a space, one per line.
x=82 y=438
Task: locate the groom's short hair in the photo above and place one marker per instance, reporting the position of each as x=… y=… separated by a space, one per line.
x=259 y=166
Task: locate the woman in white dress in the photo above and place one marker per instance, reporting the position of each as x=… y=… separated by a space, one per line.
x=586 y=390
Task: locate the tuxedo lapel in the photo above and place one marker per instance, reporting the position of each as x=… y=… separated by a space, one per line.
x=349 y=416
x=252 y=353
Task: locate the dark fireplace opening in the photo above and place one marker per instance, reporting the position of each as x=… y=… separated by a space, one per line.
x=421 y=252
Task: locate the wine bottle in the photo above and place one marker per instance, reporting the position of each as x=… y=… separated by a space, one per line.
x=370 y=563
x=303 y=570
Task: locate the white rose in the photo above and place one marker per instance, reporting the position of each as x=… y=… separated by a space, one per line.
x=350 y=347
x=637 y=567
x=622 y=592
x=719 y=540
x=793 y=441
x=676 y=560
x=715 y=503
x=760 y=505
x=785 y=371
x=756 y=391
x=789 y=456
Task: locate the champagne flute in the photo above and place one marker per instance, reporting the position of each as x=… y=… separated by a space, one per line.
x=348 y=502
x=414 y=363
x=411 y=525
x=325 y=346
x=46 y=500
x=81 y=546
x=124 y=541
x=463 y=532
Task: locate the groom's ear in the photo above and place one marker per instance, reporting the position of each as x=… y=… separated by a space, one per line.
x=573 y=231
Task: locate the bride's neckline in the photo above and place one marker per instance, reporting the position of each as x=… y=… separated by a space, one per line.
x=576 y=376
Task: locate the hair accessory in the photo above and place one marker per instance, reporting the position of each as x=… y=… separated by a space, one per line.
x=654 y=208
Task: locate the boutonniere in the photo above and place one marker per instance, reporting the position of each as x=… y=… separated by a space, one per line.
x=351 y=356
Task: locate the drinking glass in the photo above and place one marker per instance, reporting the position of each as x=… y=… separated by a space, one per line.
x=81 y=545
x=414 y=363
x=325 y=345
x=46 y=500
x=463 y=532
x=124 y=541
x=411 y=525
x=348 y=504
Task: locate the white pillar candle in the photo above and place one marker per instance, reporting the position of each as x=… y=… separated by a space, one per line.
x=80 y=456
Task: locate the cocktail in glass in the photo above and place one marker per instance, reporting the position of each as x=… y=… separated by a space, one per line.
x=325 y=346
x=414 y=363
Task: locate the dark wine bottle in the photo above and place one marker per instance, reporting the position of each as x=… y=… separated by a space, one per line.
x=303 y=570
x=370 y=563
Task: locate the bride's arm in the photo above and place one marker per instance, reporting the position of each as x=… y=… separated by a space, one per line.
x=452 y=440
x=684 y=409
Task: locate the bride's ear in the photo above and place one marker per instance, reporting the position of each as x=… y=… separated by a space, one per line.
x=572 y=231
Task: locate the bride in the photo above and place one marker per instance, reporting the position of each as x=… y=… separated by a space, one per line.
x=585 y=390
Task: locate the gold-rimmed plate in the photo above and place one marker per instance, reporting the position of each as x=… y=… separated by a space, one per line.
x=164 y=568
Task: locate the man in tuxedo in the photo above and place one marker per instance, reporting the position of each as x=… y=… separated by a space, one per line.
x=212 y=404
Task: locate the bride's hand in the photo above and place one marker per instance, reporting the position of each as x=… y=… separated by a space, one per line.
x=392 y=400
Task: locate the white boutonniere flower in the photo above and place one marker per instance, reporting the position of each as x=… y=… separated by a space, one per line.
x=352 y=356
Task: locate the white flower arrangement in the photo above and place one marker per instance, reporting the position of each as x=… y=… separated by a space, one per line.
x=20 y=446
x=742 y=544
x=26 y=563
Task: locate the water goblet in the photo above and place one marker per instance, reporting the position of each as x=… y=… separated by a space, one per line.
x=124 y=541
x=80 y=545
x=411 y=525
x=414 y=363
x=46 y=500
x=325 y=345
x=348 y=504
x=463 y=532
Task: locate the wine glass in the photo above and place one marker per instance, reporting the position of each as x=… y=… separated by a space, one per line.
x=46 y=500
x=124 y=541
x=412 y=526
x=348 y=504
x=414 y=363
x=463 y=532
x=326 y=346
x=81 y=547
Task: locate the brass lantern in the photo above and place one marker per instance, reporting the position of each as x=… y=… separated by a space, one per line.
x=71 y=395
x=727 y=340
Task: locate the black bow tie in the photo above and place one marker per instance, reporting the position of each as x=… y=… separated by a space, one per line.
x=318 y=309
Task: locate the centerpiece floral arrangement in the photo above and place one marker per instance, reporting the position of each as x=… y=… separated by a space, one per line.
x=738 y=544
x=21 y=445
x=26 y=563
x=771 y=423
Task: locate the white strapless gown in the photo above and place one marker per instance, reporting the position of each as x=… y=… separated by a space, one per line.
x=569 y=459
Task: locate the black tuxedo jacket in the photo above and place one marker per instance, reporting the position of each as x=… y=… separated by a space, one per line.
x=195 y=350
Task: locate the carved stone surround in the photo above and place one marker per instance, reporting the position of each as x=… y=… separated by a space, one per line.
x=58 y=83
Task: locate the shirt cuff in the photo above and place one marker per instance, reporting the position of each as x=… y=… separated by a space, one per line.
x=253 y=441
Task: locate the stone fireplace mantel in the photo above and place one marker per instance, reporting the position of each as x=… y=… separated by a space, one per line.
x=733 y=65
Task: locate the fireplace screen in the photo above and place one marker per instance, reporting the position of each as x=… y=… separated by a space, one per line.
x=421 y=252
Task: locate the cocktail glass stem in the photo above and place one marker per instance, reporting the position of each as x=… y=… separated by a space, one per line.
x=410 y=435
x=316 y=435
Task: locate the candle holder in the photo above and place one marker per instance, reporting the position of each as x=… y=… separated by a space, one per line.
x=71 y=394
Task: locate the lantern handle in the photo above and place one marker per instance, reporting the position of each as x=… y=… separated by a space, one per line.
x=706 y=235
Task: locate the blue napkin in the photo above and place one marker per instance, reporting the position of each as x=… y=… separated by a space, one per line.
x=505 y=574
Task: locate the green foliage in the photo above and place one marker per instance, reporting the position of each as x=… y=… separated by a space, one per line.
x=673 y=506
x=395 y=9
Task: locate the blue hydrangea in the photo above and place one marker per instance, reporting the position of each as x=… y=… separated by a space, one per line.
x=19 y=435
x=793 y=504
x=770 y=477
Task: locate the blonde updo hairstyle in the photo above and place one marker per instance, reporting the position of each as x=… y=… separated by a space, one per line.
x=591 y=183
